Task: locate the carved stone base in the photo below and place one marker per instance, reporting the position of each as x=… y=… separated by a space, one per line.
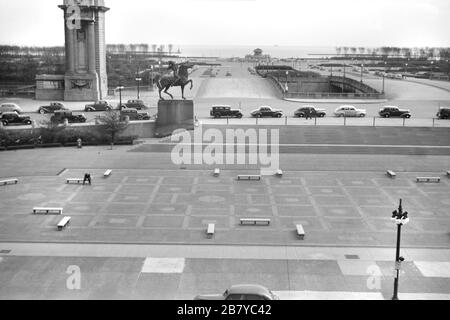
x=81 y=87
x=173 y=115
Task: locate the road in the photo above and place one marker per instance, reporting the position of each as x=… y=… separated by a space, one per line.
x=248 y=92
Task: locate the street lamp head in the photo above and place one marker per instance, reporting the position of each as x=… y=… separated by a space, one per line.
x=394 y=214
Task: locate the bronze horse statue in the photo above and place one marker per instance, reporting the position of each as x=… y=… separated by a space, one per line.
x=179 y=78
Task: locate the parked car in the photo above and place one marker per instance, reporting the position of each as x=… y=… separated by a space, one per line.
x=444 y=113
x=242 y=292
x=393 y=111
x=61 y=115
x=266 y=111
x=134 y=115
x=134 y=104
x=10 y=107
x=98 y=106
x=225 y=111
x=310 y=111
x=54 y=106
x=8 y=118
x=349 y=111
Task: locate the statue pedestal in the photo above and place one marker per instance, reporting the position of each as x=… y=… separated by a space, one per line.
x=173 y=115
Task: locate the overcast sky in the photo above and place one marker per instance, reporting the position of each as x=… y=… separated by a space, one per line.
x=404 y=23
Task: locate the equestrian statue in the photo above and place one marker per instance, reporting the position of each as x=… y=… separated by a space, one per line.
x=178 y=77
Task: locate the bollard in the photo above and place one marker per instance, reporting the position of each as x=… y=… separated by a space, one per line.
x=315 y=121
x=374 y=121
x=79 y=143
x=404 y=121
x=433 y=122
x=228 y=120
x=256 y=120
x=345 y=121
x=286 y=121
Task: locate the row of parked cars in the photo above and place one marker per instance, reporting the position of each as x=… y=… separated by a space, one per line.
x=11 y=113
x=313 y=112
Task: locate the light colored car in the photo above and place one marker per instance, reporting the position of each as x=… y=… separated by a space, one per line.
x=10 y=107
x=349 y=111
x=242 y=292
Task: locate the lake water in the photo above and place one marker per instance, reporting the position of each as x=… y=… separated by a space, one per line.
x=241 y=51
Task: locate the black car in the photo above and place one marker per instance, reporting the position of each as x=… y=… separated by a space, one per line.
x=60 y=116
x=134 y=115
x=444 y=113
x=8 y=118
x=266 y=111
x=225 y=111
x=54 y=106
x=392 y=111
x=98 y=106
x=310 y=111
x=134 y=104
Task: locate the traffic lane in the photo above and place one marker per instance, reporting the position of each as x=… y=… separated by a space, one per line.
x=425 y=109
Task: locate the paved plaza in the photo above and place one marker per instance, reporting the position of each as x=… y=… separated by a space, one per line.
x=141 y=233
x=175 y=206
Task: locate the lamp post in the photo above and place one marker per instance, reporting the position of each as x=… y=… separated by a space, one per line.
x=343 y=79
x=448 y=70
x=138 y=87
x=286 y=87
x=362 y=67
x=406 y=68
x=151 y=76
x=120 y=88
x=384 y=74
x=432 y=67
x=400 y=218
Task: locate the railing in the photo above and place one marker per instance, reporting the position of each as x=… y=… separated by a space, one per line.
x=327 y=95
x=332 y=121
x=354 y=84
x=367 y=92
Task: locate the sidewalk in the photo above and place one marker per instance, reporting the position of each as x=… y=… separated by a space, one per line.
x=221 y=252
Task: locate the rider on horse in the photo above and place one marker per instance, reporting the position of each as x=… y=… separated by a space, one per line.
x=174 y=67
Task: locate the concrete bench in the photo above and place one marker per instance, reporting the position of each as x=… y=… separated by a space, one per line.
x=249 y=177
x=300 y=231
x=428 y=179
x=254 y=221
x=8 y=181
x=37 y=210
x=216 y=172
x=211 y=230
x=75 y=180
x=63 y=223
x=279 y=173
x=107 y=173
x=391 y=173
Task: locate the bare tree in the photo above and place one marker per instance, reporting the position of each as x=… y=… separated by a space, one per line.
x=112 y=123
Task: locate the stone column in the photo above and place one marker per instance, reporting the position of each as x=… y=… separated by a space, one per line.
x=70 y=61
x=91 y=46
